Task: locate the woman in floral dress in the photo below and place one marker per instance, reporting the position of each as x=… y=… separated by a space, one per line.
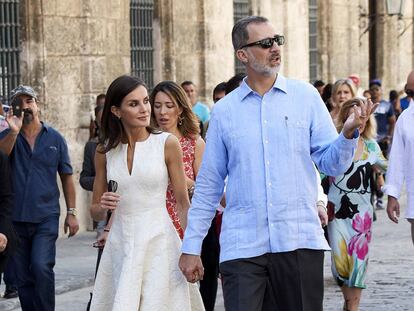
x=171 y=112
x=351 y=212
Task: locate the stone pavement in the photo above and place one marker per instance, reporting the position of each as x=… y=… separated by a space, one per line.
x=390 y=284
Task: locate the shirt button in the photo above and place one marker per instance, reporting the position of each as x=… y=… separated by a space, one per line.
x=271 y=225
x=270 y=184
x=265 y=121
x=270 y=204
x=268 y=162
x=266 y=141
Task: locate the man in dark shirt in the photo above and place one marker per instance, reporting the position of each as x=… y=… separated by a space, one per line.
x=37 y=152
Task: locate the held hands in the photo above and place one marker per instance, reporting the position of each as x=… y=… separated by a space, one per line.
x=110 y=200
x=192 y=267
x=358 y=117
x=393 y=209
x=72 y=224
x=3 y=242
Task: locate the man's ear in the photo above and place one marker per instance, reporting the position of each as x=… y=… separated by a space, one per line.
x=242 y=56
x=115 y=112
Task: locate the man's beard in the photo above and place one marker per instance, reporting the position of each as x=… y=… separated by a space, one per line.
x=27 y=116
x=263 y=69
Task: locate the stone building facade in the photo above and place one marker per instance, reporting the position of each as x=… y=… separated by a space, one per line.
x=71 y=50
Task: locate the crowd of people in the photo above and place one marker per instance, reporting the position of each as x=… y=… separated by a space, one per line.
x=279 y=171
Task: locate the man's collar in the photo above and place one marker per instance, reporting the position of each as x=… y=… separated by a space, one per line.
x=280 y=84
x=44 y=126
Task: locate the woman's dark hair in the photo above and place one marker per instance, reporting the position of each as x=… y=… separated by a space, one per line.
x=326 y=95
x=189 y=126
x=112 y=130
x=234 y=82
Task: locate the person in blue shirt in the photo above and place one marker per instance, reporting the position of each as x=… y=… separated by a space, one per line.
x=265 y=137
x=200 y=109
x=37 y=153
x=405 y=101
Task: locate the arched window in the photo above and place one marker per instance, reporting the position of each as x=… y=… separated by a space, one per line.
x=241 y=8
x=9 y=46
x=142 y=47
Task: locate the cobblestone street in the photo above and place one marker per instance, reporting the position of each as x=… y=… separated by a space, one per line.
x=390 y=283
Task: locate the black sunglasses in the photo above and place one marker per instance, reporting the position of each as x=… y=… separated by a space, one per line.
x=112 y=186
x=267 y=43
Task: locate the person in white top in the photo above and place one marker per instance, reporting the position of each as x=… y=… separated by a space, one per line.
x=401 y=166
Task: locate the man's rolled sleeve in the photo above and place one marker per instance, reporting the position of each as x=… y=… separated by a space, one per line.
x=64 y=166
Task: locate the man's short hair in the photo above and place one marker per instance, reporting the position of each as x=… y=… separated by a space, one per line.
x=187 y=82
x=221 y=87
x=100 y=96
x=239 y=34
x=318 y=83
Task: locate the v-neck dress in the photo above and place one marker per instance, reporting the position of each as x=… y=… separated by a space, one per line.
x=350 y=217
x=139 y=266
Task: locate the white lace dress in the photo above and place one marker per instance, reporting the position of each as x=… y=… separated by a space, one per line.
x=139 y=266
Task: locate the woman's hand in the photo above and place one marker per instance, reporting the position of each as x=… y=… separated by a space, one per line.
x=322 y=213
x=3 y=242
x=101 y=240
x=110 y=200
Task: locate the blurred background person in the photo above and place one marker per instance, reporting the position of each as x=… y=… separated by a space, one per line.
x=94 y=126
x=219 y=92
x=351 y=212
x=319 y=85
x=395 y=102
x=342 y=91
x=326 y=96
x=405 y=101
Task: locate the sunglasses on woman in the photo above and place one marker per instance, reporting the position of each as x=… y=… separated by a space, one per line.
x=267 y=43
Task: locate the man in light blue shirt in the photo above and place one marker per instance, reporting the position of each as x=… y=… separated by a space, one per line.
x=265 y=136
x=201 y=110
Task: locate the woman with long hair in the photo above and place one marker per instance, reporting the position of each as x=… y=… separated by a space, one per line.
x=171 y=112
x=342 y=90
x=351 y=212
x=139 y=266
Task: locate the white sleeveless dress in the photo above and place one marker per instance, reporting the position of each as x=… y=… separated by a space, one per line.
x=139 y=265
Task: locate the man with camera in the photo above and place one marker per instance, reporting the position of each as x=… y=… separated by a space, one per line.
x=37 y=152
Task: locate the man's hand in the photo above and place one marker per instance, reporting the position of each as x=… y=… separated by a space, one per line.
x=323 y=215
x=15 y=123
x=393 y=209
x=72 y=224
x=192 y=267
x=3 y=242
x=359 y=115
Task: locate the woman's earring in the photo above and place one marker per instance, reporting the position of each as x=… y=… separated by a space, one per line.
x=180 y=120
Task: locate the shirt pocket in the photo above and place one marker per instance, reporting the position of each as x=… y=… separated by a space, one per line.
x=298 y=135
x=49 y=156
x=246 y=227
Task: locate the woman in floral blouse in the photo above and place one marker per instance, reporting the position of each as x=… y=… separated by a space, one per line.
x=351 y=212
x=171 y=112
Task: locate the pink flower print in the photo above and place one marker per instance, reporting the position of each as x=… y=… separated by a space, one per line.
x=359 y=242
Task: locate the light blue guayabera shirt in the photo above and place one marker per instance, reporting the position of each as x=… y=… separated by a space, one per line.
x=266 y=146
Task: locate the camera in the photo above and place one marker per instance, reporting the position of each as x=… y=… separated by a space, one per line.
x=17 y=105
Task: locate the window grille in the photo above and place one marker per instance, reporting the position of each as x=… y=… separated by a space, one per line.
x=241 y=8
x=9 y=47
x=142 y=47
x=313 y=41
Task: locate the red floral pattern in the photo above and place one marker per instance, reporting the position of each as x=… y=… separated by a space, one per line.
x=188 y=147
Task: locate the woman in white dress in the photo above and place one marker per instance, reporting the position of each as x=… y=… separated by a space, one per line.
x=139 y=266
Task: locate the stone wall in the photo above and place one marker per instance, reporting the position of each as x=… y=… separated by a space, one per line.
x=72 y=50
